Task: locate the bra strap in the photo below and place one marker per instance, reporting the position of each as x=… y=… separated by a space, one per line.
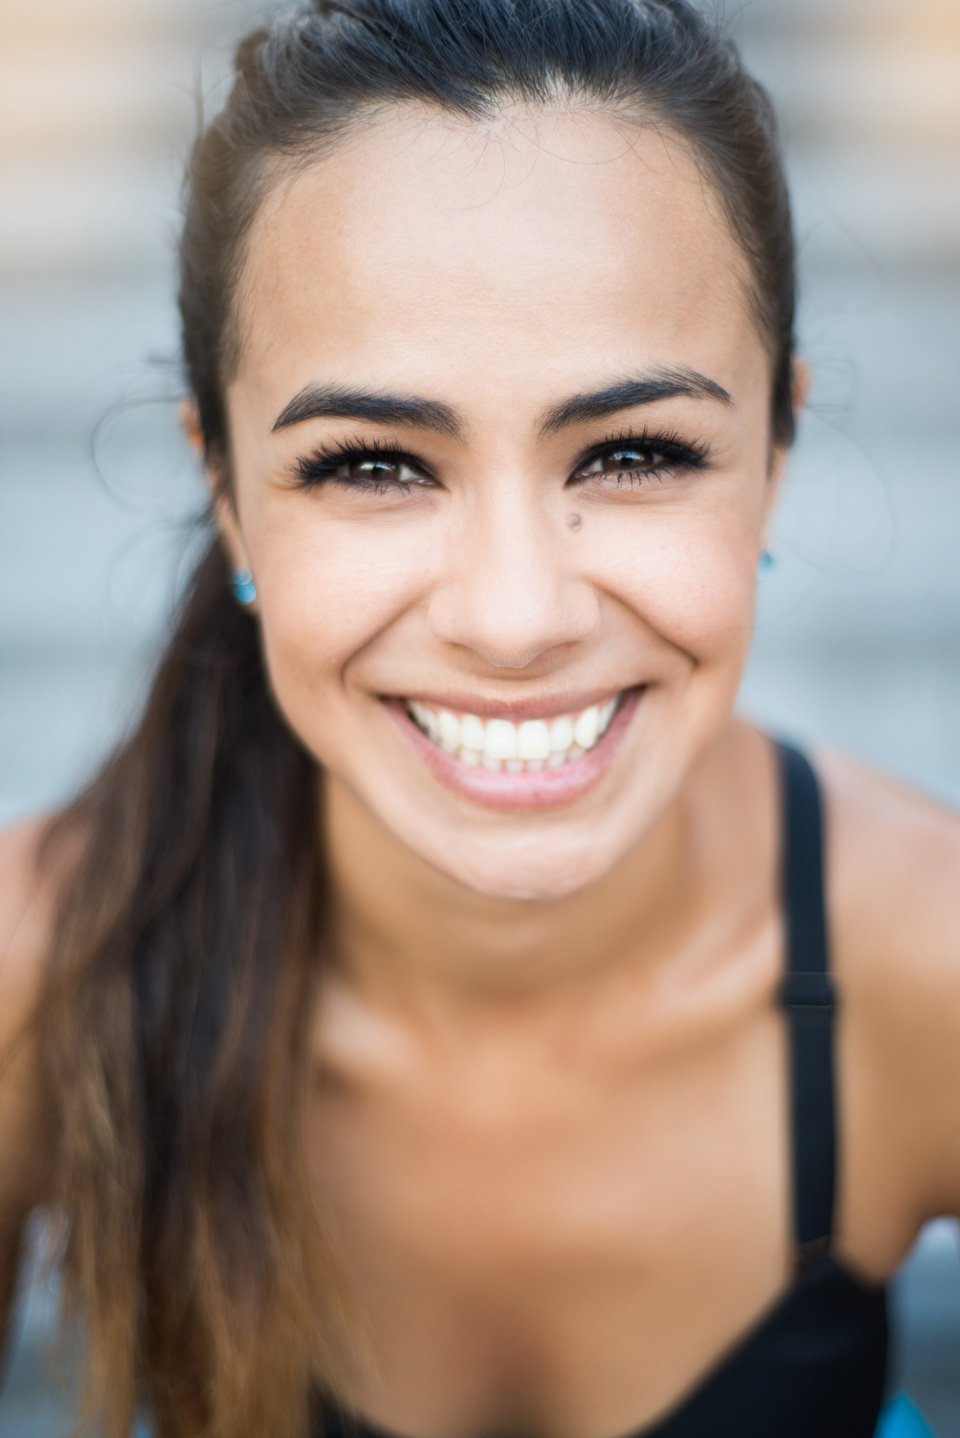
x=808 y=996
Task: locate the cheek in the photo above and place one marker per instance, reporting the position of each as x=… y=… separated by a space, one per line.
x=691 y=578
x=329 y=590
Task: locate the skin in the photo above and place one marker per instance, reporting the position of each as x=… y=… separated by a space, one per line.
x=535 y=1027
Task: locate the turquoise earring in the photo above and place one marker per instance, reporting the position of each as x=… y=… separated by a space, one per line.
x=244 y=589
x=766 y=562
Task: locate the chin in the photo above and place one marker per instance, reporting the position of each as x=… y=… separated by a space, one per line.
x=532 y=877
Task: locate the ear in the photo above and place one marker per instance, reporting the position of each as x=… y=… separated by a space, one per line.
x=802 y=380
x=799 y=391
x=223 y=509
x=189 y=416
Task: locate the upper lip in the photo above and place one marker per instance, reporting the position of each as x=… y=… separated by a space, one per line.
x=545 y=706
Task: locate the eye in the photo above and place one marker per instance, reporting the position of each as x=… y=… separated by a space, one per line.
x=359 y=465
x=623 y=461
x=630 y=461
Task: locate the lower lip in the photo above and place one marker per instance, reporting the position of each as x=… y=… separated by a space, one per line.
x=499 y=789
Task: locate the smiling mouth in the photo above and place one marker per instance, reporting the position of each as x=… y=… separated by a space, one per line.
x=528 y=747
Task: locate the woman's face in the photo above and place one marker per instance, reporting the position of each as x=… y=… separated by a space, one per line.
x=543 y=326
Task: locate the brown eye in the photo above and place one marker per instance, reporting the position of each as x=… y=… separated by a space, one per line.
x=629 y=462
x=359 y=467
x=377 y=471
x=636 y=459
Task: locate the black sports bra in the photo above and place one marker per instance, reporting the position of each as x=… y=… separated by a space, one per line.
x=815 y=1365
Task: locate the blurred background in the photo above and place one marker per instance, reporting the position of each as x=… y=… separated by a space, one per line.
x=858 y=640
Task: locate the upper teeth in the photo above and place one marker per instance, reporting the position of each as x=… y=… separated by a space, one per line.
x=535 y=744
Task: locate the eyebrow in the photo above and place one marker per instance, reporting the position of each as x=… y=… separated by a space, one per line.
x=341 y=402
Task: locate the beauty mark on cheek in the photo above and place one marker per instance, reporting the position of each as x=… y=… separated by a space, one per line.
x=574 y=521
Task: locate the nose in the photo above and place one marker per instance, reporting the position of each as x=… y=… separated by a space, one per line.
x=513 y=587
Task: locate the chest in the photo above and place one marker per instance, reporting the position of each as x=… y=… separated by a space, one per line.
x=566 y=1257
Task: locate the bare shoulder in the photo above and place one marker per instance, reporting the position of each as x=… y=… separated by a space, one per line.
x=26 y=904
x=893 y=879
x=26 y=1124
x=895 y=850
x=26 y=908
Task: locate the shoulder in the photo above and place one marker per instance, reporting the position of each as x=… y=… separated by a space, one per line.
x=26 y=908
x=894 y=853
x=893 y=889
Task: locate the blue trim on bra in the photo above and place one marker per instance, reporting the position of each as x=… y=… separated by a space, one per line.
x=900 y=1419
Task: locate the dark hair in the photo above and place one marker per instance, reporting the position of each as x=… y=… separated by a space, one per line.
x=191 y=921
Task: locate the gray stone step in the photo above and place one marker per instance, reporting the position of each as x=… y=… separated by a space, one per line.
x=137 y=94
x=62 y=102
x=105 y=217
x=898 y=23
x=927 y=1313
x=854 y=92
x=64 y=23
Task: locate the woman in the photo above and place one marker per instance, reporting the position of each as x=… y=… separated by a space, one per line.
x=428 y=1012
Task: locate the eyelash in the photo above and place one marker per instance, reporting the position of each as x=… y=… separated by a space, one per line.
x=320 y=467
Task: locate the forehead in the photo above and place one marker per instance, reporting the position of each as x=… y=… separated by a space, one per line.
x=435 y=248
